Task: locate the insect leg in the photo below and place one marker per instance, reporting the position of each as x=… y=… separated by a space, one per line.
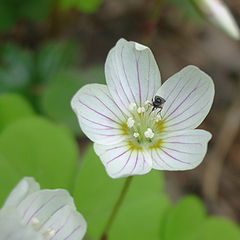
x=149 y=104
x=159 y=112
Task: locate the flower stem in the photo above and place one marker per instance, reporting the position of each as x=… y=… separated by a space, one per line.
x=116 y=208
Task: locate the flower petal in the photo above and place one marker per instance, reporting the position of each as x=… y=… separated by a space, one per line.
x=120 y=160
x=41 y=205
x=132 y=74
x=67 y=224
x=217 y=12
x=181 y=150
x=99 y=116
x=189 y=97
x=12 y=229
x=25 y=187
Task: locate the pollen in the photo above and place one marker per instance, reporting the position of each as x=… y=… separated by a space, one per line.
x=136 y=134
x=124 y=128
x=157 y=144
x=149 y=133
x=130 y=122
x=134 y=146
x=160 y=125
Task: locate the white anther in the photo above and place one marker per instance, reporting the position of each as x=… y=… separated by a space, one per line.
x=50 y=232
x=149 y=133
x=130 y=122
x=158 y=118
x=141 y=110
x=35 y=221
x=132 y=106
x=136 y=134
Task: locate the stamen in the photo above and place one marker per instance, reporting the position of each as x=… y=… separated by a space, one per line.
x=35 y=223
x=132 y=106
x=149 y=133
x=141 y=110
x=144 y=125
x=136 y=134
x=130 y=122
x=158 y=118
x=50 y=232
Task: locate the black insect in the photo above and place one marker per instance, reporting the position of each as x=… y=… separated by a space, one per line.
x=157 y=103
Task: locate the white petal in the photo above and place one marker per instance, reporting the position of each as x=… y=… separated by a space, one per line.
x=41 y=205
x=67 y=224
x=25 y=187
x=99 y=116
x=132 y=74
x=181 y=150
x=189 y=97
x=11 y=227
x=219 y=14
x=121 y=161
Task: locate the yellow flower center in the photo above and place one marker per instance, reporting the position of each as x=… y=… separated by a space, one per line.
x=144 y=127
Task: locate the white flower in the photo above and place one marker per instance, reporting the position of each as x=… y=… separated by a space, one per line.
x=33 y=214
x=218 y=13
x=165 y=140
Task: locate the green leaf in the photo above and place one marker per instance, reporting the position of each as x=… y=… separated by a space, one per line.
x=55 y=101
x=220 y=229
x=7 y=15
x=35 y=10
x=188 y=221
x=96 y=193
x=16 y=69
x=54 y=57
x=8 y=178
x=35 y=147
x=89 y=6
x=184 y=220
x=12 y=108
x=142 y=212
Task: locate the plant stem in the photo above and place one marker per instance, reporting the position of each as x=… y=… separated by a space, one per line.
x=116 y=208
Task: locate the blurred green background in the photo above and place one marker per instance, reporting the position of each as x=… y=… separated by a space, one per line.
x=51 y=48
